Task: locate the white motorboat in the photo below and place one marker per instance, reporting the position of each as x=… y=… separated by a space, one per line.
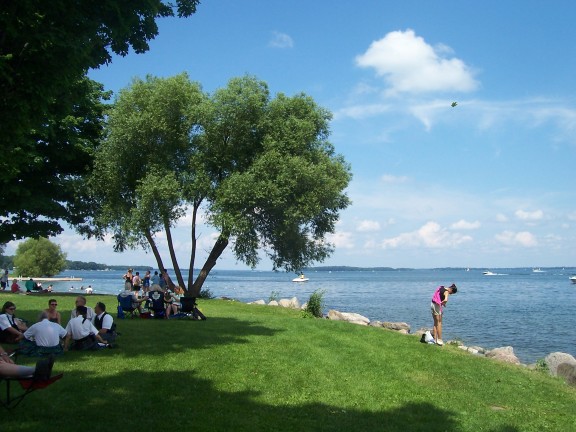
x=573 y=279
x=489 y=273
x=300 y=278
x=538 y=270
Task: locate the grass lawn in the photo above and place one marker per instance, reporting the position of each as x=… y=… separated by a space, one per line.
x=259 y=368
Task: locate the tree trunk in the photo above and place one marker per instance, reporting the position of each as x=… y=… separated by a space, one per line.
x=152 y=244
x=193 y=253
x=215 y=253
x=173 y=254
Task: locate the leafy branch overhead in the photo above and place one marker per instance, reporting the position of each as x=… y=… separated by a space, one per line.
x=259 y=169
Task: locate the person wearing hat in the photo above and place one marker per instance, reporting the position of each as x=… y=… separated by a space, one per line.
x=439 y=300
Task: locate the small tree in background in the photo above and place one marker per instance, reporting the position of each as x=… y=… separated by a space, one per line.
x=39 y=257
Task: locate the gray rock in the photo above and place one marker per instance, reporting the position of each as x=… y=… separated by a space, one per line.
x=503 y=354
x=258 y=302
x=554 y=359
x=350 y=317
x=292 y=303
x=375 y=323
x=304 y=306
x=396 y=326
x=273 y=303
x=568 y=372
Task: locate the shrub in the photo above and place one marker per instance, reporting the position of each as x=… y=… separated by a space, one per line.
x=315 y=304
x=206 y=294
x=274 y=296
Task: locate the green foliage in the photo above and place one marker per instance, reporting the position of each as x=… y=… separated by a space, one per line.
x=315 y=306
x=206 y=294
x=39 y=257
x=260 y=169
x=51 y=114
x=541 y=365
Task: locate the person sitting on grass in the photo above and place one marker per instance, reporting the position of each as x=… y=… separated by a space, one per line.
x=11 y=328
x=81 y=334
x=43 y=338
x=8 y=369
x=15 y=288
x=81 y=301
x=52 y=313
x=104 y=323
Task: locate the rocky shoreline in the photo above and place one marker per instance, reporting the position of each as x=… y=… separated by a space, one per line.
x=558 y=364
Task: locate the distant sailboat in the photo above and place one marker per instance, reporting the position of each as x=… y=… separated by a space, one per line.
x=538 y=270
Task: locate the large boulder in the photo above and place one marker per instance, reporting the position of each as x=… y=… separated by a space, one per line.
x=292 y=303
x=350 y=317
x=555 y=359
x=273 y=303
x=568 y=372
x=503 y=354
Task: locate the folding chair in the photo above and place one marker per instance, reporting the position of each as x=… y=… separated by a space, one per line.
x=28 y=384
x=127 y=306
x=156 y=304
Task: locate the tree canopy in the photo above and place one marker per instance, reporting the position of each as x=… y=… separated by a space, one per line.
x=259 y=169
x=39 y=257
x=50 y=114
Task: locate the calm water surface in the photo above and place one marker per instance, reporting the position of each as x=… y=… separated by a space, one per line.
x=533 y=312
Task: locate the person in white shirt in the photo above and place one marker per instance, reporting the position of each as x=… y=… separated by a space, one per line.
x=43 y=334
x=82 y=332
x=104 y=323
x=81 y=301
x=11 y=328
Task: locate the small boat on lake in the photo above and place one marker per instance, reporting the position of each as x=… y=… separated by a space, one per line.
x=538 y=270
x=489 y=273
x=573 y=279
x=301 y=278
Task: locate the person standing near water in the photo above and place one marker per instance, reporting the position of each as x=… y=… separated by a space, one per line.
x=439 y=300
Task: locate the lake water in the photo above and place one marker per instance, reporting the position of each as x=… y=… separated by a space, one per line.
x=533 y=312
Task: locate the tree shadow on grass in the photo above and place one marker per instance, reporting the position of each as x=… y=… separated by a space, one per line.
x=181 y=400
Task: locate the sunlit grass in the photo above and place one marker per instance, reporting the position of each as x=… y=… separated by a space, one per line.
x=259 y=368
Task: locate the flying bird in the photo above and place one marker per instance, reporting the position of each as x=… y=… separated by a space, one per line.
x=454 y=104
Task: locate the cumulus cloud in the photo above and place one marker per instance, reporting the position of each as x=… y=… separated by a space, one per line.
x=430 y=235
x=368 y=226
x=410 y=65
x=511 y=238
x=501 y=217
x=280 y=40
x=529 y=216
x=341 y=240
x=465 y=225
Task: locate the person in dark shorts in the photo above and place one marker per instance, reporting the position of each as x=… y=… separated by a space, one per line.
x=439 y=300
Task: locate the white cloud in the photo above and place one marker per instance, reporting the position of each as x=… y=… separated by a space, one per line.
x=410 y=65
x=368 y=226
x=511 y=238
x=501 y=217
x=529 y=216
x=389 y=178
x=465 y=225
x=430 y=235
x=280 y=40
x=341 y=240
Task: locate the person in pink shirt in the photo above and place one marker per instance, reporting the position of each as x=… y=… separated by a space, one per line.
x=439 y=300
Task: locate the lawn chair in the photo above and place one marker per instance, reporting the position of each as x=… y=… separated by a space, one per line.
x=126 y=304
x=29 y=385
x=190 y=308
x=156 y=304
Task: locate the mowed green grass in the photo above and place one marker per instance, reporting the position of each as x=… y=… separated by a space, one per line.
x=259 y=368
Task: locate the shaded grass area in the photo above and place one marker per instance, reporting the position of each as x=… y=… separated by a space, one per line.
x=259 y=368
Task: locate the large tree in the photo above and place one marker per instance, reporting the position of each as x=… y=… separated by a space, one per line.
x=259 y=169
x=49 y=113
x=39 y=257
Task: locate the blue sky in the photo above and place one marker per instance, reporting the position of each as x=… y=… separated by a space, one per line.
x=487 y=183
